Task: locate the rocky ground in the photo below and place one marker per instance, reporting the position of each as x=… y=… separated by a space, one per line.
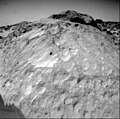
x=64 y=66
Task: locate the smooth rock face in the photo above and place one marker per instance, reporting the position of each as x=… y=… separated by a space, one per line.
x=55 y=68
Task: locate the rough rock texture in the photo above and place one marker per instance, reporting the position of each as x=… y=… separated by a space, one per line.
x=73 y=16
x=111 y=28
x=55 y=68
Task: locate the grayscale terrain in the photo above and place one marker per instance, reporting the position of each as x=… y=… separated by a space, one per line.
x=63 y=66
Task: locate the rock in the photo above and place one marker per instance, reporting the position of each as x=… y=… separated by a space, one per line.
x=73 y=16
x=60 y=67
x=112 y=29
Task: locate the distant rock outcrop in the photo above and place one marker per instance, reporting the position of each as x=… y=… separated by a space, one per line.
x=63 y=66
x=73 y=16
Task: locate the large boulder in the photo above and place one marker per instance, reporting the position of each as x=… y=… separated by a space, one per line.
x=56 y=68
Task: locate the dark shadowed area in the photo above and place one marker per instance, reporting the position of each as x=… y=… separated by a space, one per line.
x=14 y=11
x=9 y=111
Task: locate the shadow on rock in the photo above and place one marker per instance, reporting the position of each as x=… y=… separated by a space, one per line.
x=9 y=111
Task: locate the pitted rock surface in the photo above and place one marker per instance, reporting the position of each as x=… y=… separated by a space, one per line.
x=59 y=69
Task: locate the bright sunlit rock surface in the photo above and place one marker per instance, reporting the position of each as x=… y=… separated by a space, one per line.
x=56 y=68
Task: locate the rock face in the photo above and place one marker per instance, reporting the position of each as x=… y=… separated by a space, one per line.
x=58 y=68
x=112 y=29
x=73 y=16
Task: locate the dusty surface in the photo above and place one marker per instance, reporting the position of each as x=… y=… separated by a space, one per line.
x=60 y=69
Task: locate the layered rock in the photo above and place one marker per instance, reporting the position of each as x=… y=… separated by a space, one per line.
x=55 y=68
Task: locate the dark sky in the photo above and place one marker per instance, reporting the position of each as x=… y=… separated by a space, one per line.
x=14 y=11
